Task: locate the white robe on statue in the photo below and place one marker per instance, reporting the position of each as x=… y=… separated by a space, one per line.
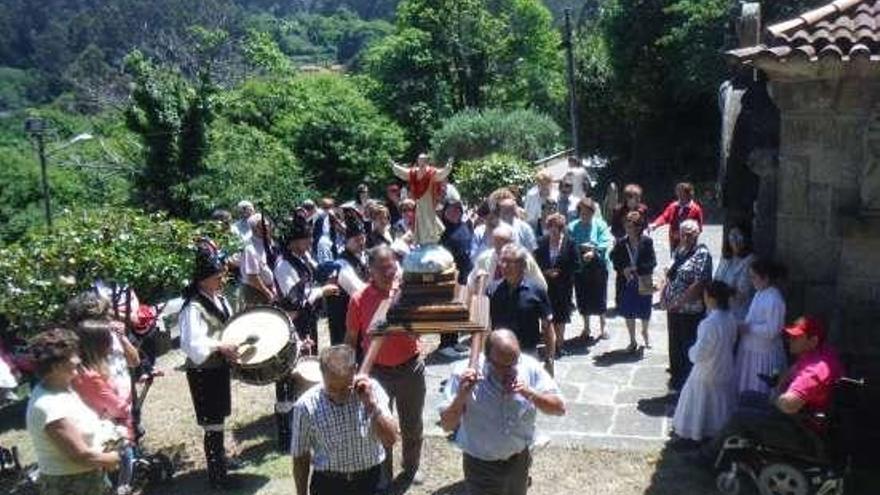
x=760 y=346
x=428 y=227
x=708 y=397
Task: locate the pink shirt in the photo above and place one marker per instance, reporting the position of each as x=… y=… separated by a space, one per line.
x=97 y=392
x=813 y=377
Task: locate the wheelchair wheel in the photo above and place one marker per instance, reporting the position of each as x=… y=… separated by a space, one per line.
x=782 y=479
x=728 y=483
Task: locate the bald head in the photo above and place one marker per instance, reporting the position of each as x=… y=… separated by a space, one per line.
x=503 y=343
x=502 y=236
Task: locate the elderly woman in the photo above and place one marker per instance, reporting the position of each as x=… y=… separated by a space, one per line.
x=558 y=258
x=708 y=397
x=67 y=436
x=682 y=297
x=760 y=348
x=634 y=261
x=380 y=232
x=593 y=239
x=537 y=196
x=733 y=270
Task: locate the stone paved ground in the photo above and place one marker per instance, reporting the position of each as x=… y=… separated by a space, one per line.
x=614 y=400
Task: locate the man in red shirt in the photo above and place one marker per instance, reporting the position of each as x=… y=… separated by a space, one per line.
x=398 y=364
x=683 y=208
x=803 y=391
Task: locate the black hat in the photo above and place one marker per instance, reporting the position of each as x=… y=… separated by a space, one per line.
x=296 y=228
x=209 y=260
x=353 y=227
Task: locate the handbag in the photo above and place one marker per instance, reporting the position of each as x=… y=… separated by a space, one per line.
x=646 y=285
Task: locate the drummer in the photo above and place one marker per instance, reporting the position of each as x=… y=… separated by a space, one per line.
x=298 y=296
x=295 y=277
x=202 y=318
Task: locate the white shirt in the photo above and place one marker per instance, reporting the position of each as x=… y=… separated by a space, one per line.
x=534 y=202
x=523 y=234
x=734 y=272
x=765 y=321
x=287 y=278
x=339 y=437
x=46 y=407
x=242 y=230
x=497 y=424
x=253 y=262
x=487 y=263
x=194 y=339
x=348 y=279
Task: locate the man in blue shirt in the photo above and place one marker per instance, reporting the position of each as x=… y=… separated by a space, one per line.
x=493 y=409
x=518 y=304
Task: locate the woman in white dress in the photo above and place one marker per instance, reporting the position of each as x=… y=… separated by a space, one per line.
x=760 y=347
x=733 y=270
x=708 y=397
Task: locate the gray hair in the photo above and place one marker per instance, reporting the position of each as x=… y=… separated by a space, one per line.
x=503 y=230
x=690 y=225
x=88 y=305
x=337 y=360
x=377 y=253
x=518 y=252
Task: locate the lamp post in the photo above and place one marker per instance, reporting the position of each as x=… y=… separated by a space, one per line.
x=568 y=43
x=36 y=127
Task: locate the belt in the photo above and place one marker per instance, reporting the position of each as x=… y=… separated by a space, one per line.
x=405 y=364
x=500 y=461
x=349 y=477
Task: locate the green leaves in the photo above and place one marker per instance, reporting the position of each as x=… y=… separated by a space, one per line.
x=475 y=179
x=153 y=253
x=472 y=134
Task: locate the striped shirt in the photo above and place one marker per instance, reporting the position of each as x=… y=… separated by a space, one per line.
x=339 y=437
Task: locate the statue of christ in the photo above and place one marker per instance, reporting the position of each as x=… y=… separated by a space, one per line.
x=425 y=184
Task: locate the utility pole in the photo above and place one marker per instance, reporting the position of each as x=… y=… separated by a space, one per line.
x=37 y=128
x=572 y=98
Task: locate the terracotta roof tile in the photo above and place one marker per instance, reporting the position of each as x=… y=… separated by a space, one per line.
x=842 y=29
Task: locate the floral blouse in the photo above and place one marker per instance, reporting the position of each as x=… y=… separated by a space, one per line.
x=687 y=268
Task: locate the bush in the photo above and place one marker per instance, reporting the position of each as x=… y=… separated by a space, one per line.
x=246 y=163
x=475 y=179
x=472 y=134
x=339 y=136
x=42 y=271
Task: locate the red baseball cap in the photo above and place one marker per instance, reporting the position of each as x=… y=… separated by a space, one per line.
x=808 y=326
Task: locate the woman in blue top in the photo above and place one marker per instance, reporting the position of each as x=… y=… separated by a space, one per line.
x=593 y=239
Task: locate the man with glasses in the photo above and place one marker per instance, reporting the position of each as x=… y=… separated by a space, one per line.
x=493 y=409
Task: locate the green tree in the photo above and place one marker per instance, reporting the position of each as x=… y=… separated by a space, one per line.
x=172 y=118
x=476 y=179
x=473 y=134
x=153 y=253
x=339 y=136
x=246 y=163
x=449 y=55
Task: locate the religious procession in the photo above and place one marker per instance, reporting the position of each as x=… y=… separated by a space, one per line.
x=544 y=320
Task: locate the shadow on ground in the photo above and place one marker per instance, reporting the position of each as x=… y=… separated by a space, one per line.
x=619 y=356
x=195 y=483
x=659 y=406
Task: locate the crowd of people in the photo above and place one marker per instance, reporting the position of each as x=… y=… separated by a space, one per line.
x=525 y=261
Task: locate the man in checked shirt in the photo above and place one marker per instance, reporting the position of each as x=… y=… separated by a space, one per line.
x=341 y=428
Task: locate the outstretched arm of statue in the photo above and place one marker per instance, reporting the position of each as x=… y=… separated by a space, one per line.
x=400 y=171
x=443 y=173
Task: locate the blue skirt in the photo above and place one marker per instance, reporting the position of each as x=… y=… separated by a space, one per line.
x=634 y=306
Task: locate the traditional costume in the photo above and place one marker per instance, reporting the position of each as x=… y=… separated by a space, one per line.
x=352 y=277
x=202 y=319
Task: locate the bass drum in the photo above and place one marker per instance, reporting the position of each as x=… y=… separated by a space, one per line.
x=266 y=347
x=306 y=374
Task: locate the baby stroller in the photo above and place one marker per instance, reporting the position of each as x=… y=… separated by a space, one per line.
x=147 y=468
x=776 y=470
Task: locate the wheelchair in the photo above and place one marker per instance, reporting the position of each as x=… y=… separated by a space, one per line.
x=745 y=463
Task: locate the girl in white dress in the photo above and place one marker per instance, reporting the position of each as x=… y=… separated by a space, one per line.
x=760 y=347
x=734 y=271
x=708 y=397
